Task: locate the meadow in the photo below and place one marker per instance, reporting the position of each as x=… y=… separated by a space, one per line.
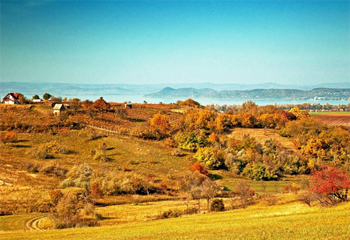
x=288 y=221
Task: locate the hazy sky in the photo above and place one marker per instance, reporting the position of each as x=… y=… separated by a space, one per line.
x=175 y=41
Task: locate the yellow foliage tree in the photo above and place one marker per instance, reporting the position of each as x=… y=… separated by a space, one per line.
x=299 y=113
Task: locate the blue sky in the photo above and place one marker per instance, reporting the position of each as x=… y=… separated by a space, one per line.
x=287 y=42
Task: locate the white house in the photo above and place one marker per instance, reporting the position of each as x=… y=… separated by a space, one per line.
x=58 y=109
x=11 y=98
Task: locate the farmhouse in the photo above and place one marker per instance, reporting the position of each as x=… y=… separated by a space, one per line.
x=58 y=109
x=11 y=98
x=128 y=105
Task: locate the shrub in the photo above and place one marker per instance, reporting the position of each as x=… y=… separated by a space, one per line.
x=191 y=210
x=269 y=199
x=78 y=176
x=63 y=150
x=67 y=211
x=259 y=171
x=95 y=190
x=67 y=183
x=196 y=167
x=171 y=214
x=55 y=196
x=33 y=167
x=217 y=205
x=52 y=168
x=177 y=153
x=307 y=197
x=101 y=156
x=170 y=142
x=8 y=137
x=292 y=188
x=41 y=152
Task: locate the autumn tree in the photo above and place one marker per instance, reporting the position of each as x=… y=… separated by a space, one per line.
x=332 y=183
x=75 y=103
x=249 y=121
x=161 y=123
x=21 y=98
x=190 y=141
x=213 y=138
x=249 y=106
x=189 y=102
x=196 y=167
x=101 y=105
x=210 y=157
x=299 y=113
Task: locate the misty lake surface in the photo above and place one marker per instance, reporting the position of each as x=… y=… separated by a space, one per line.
x=202 y=101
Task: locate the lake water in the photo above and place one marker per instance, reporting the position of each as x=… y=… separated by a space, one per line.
x=202 y=101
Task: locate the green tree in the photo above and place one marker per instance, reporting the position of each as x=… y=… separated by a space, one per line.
x=36 y=96
x=46 y=96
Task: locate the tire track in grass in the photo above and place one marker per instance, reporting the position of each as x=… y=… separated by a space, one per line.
x=33 y=224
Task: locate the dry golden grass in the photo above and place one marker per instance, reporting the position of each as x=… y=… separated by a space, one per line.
x=289 y=221
x=262 y=135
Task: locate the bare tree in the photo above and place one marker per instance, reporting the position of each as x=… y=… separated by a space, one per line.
x=209 y=189
x=244 y=192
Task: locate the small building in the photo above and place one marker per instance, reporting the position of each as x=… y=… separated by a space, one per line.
x=37 y=100
x=58 y=109
x=11 y=98
x=128 y=105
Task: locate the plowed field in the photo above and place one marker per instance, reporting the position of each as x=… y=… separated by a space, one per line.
x=334 y=119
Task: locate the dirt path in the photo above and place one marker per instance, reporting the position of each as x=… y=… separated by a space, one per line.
x=33 y=224
x=102 y=129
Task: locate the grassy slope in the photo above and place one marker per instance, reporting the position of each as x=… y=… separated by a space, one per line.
x=292 y=221
x=16 y=222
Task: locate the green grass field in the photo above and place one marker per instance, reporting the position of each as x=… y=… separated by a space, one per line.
x=330 y=113
x=291 y=221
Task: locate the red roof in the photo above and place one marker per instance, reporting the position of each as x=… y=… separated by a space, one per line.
x=14 y=96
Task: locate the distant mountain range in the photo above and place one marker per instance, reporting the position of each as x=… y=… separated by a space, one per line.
x=203 y=90
x=255 y=94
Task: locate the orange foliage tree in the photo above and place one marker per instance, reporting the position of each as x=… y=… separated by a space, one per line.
x=160 y=122
x=196 y=167
x=101 y=104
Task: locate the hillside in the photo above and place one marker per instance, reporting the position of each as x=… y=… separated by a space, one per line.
x=104 y=164
x=163 y=90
